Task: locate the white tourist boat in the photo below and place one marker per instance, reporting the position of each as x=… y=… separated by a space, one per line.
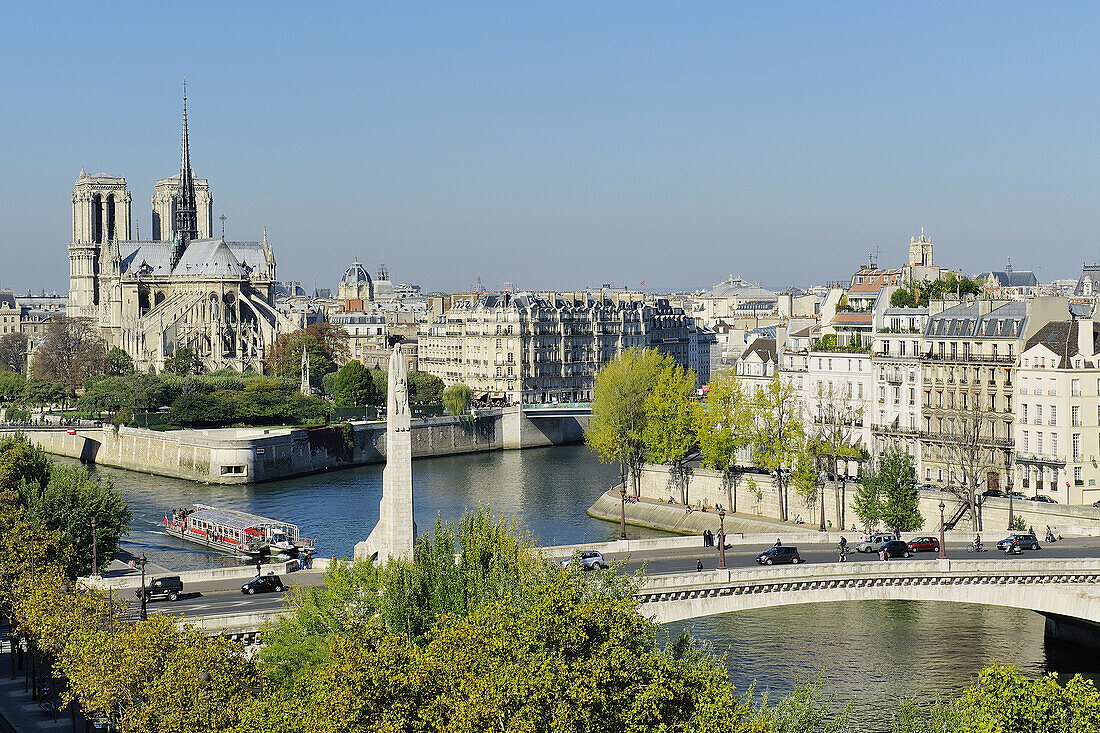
x=236 y=533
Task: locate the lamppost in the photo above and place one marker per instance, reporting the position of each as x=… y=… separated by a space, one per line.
x=824 y=477
x=622 y=513
x=141 y=561
x=721 y=539
x=95 y=557
x=30 y=677
x=943 y=546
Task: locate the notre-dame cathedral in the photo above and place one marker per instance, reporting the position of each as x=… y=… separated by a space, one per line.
x=183 y=288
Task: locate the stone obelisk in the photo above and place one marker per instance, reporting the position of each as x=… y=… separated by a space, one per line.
x=395 y=532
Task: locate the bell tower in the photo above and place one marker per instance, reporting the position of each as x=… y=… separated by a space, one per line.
x=101 y=214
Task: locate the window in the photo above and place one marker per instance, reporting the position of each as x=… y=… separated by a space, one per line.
x=500 y=372
x=1023 y=441
x=1038 y=414
x=1054 y=414
x=1077 y=480
x=992 y=402
x=1023 y=413
x=1075 y=416
x=1054 y=444
x=1039 y=444
x=1076 y=447
x=1075 y=387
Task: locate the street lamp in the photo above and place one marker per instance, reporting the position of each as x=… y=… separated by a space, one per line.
x=943 y=546
x=141 y=561
x=622 y=513
x=824 y=477
x=95 y=557
x=721 y=539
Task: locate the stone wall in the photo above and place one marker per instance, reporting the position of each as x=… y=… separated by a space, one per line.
x=250 y=455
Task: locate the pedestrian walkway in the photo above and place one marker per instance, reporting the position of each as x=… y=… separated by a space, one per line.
x=20 y=714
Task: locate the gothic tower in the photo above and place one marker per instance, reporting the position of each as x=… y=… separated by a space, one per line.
x=101 y=214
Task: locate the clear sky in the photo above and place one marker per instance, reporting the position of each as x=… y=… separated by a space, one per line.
x=568 y=144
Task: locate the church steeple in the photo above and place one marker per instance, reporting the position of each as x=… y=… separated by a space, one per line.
x=186 y=217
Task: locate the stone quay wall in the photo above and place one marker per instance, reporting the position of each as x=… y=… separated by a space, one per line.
x=252 y=455
x=756 y=495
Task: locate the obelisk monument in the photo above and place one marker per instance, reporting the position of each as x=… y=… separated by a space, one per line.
x=395 y=532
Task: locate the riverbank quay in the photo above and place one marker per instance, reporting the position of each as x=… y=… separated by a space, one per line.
x=254 y=455
x=19 y=713
x=755 y=498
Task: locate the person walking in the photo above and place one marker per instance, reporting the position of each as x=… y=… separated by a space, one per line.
x=699 y=566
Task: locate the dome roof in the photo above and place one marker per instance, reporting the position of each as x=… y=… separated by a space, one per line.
x=355 y=274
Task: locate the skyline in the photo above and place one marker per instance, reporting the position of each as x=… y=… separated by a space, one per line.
x=619 y=144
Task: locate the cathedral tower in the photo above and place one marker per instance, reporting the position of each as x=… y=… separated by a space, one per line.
x=183 y=203
x=101 y=214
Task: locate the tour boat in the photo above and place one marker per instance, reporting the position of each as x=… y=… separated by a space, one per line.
x=236 y=533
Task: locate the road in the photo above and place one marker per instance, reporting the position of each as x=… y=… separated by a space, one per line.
x=205 y=599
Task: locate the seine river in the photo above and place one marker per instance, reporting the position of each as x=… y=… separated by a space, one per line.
x=870 y=654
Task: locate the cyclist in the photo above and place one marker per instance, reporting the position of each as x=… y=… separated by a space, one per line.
x=977 y=543
x=842 y=550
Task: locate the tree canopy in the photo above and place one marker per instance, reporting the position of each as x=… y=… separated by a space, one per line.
x=457 y=399
x=69 y=352
x=353 y=386
x=13 y=352
x=326 y=343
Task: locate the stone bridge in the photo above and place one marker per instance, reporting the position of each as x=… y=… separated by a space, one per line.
x=1067 y=592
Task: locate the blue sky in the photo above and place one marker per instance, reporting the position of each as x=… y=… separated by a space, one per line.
x=569 y=144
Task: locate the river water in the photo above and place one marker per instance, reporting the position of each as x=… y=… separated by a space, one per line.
x=870 y=654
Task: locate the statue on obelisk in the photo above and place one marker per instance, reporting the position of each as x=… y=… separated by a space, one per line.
x=395 y=533
x=305 y=388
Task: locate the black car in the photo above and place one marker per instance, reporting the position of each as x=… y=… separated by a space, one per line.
x=1042 y=498
x=263 y=584
x=994 y=494
x=1024 y=540
x=779 y=555
x=897 y=548
x=170 y=587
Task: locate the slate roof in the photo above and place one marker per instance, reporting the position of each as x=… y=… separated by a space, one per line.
x=738 y=288
x=1012 y=278
x=203 y=257
x=763 y=348
x=1061 y=338
x=964 y=321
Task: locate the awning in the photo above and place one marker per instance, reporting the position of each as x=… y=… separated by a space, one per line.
x=481 y=396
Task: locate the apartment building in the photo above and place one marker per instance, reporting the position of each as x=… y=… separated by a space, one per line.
x=895 y=412
x=1057 y=412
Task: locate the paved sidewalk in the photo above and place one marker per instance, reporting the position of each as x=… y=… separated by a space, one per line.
x=21 y=714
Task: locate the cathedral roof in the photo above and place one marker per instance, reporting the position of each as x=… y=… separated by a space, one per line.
x=209 y=258
x=203 y=257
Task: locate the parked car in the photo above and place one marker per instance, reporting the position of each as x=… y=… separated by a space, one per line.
x=994 y=494
x=1017 y=494
x=779 y=555
x=925 y=487
x=263 y=584
x=875 y=542
x=924 y=544
x=897 y=548
x=1042 y=498
x=170 y=587
x=590 y=560
x=1025 y=540
x=1096 y=504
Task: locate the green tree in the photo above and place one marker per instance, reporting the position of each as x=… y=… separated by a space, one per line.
x=42 y=392
x=24 y=468
x=867 y=503
x=328 y=384
x=723 y=425
x=119 y=363
x=11 y=385
x=669 y=432
x=381 y=379
x=425 y=389
x=353 y=385
x=184 y=362
x=618 y=420
x=327 y=345
x=1005 y=700
x=898 y=479
x=70 y=500
x=457 y=399
x=778 y=434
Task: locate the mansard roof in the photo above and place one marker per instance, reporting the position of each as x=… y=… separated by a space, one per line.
x=967 y=321
x=1061 y=338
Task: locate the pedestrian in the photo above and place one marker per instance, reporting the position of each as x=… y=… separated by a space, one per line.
x=699 y=565
x=883 y=553
x=778 y=542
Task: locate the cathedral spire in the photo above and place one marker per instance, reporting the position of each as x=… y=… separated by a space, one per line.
x=186 y=217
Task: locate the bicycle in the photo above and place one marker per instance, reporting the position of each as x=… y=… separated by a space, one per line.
x=972 y=547
x=842 y=552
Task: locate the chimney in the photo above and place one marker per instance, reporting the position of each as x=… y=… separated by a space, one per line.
x=1085 y=337
x=780 y=339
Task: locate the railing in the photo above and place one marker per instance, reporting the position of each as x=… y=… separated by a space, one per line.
x=976 y=358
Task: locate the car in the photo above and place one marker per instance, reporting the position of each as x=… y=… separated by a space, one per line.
x=169 y=586
x=590 y=560
x=1042 y=498
x=1026 y=540
x=924 y=544
x=896 y=548
x=779 y=555
x=263 y=584
x=1096 y=504
x=1017 y=494
x=994 y=494
x=925 y=487
x=875 y=542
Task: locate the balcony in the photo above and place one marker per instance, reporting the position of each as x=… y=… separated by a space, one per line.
x=1040 y=459
x=975 y=359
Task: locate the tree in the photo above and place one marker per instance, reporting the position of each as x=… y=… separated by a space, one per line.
x=618 y=418
x=327 y=345
x=11 y=385
x=778 y=433
x=185 y=362
x=1005 y=700
x=868 y=500
x=425 y=389
x=353 y=385
x=42 y=392
x=119 y=363
x=457 y=399
x=70 y=352
x=381 y=379
x=966 y=446
x=669 y=432
x=328 y=384
x=70 y=500
x=723 y=423
x=13 y=352
x=898 y=479
x=833 y=437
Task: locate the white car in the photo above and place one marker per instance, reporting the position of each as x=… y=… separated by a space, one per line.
x=875 y=542
x=590 y=560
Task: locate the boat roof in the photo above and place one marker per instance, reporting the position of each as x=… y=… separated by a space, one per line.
x=234 y=519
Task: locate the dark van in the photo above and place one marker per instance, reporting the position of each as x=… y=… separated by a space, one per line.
x=779 y=555
x=170 y=587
